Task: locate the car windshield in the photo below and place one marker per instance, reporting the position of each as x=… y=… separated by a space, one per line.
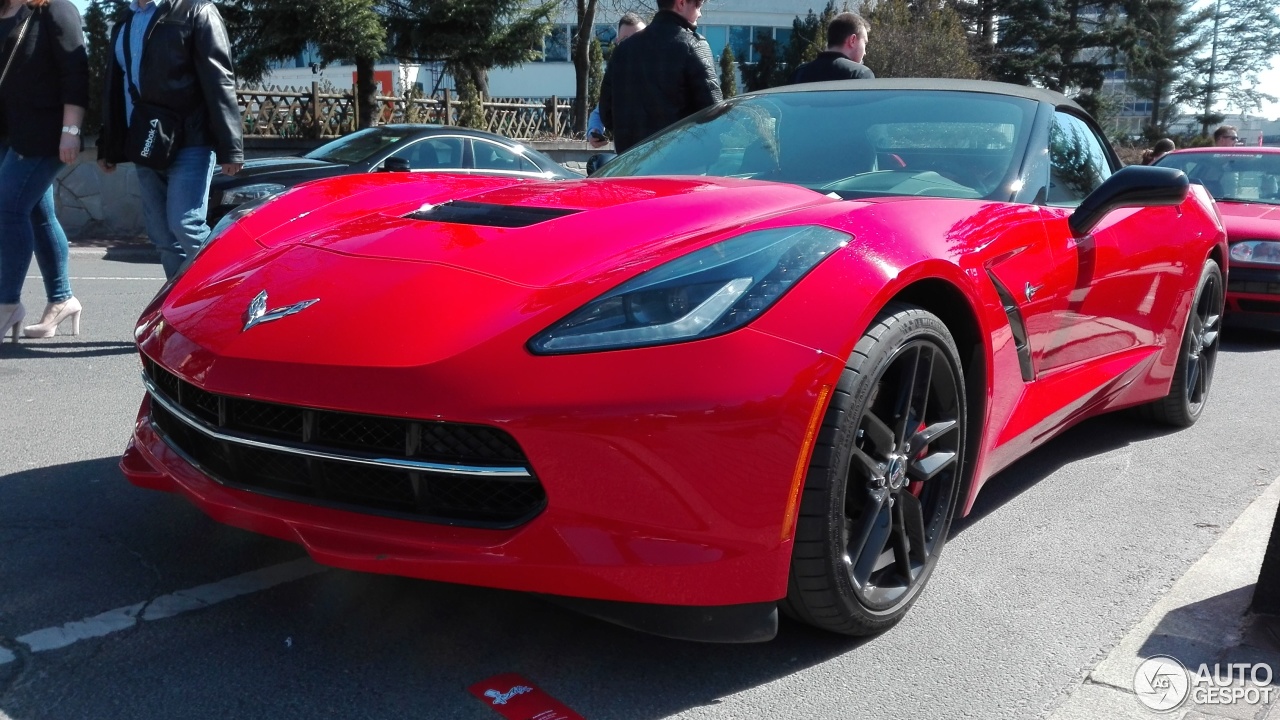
x=1234 y=176
x=356 y=147
x=854 y=143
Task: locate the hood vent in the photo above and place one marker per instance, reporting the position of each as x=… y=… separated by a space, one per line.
x=473 y=213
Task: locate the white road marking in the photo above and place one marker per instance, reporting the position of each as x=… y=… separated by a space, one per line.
x=165 y=606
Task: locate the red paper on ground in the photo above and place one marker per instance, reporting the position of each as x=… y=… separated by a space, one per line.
x=516 y=698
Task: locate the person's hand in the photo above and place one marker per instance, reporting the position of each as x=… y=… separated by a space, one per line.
x=231 y=168
x=68 y=148
x=597 y=142
x=107 y=167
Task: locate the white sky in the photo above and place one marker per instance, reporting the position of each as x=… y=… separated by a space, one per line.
x=1270 y=80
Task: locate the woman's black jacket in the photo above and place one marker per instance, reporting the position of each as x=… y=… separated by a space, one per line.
x=49 y=71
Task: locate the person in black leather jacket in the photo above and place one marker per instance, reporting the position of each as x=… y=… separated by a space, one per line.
x=180 y=60
x=659 y=76
x=842 y=60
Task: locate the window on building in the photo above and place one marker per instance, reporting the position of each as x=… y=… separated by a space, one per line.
x=740 y=37
x=555 y=47
x=717 y=36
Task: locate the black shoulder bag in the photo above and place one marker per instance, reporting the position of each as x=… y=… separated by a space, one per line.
x=154 y=131
x=16 y=46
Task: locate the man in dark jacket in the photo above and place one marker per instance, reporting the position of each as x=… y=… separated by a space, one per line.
x=175 y=55
x=658 y=76
x=842 y=60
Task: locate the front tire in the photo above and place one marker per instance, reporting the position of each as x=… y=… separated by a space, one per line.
x=1193 y=373
x=884 y=478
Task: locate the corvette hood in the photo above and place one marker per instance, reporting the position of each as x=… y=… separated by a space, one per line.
x=1250 y=220
x=549 y=233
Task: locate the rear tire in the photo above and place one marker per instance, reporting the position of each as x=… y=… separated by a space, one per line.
x=884 y=478
x=1199 y=354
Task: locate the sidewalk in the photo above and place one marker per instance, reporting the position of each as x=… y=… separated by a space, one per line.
x=1203 y=619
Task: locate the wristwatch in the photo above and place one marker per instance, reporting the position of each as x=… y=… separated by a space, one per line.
x=71 y=129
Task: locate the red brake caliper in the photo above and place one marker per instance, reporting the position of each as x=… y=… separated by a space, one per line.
x=915 y=487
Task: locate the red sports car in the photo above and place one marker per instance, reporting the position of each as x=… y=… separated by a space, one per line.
x=758 y=362
x=1246 y=183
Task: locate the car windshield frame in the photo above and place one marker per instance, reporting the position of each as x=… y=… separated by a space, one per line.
x=357 y=147
x=850 y=143
x=1238 y=176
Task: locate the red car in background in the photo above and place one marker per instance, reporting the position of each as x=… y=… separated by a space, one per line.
x=1245 y=181
x=758 y=363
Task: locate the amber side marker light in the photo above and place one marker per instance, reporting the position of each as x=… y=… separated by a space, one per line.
x=802 y=462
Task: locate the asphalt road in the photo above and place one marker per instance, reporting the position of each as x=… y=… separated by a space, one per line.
x=132 y=604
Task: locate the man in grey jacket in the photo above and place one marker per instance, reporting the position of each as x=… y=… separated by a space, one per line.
x=659 y=76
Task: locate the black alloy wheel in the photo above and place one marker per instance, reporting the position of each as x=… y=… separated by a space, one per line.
x=1198 y=356
x=884 y=479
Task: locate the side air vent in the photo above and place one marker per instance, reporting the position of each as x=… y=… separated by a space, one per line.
x=1017 y=326
x=473 y=213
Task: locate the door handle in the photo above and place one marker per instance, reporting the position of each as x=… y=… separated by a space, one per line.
x=1031 y=291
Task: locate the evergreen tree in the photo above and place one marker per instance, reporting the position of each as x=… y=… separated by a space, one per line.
x=469 y=37
x=808 y=37
x=1160 y=43
x=764 y=72
x=1235 y=45
x=917 y=40
x=341 y=31
x=471 y=104
x=597 y=73
x=728 y=78
x=1063 y=45
x=97 y=40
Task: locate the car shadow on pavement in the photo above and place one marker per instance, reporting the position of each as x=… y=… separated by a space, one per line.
x=1090 y=438
x=1249 y=341
x=80 y=541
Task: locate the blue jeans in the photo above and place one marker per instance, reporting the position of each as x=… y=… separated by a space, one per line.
x=29 y=225
x=174 y=202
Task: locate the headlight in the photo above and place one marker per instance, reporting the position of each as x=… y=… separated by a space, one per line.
x=708 y=292
x=246 y=193
x=1257 y=251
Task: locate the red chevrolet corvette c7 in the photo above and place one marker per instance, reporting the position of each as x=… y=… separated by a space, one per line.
x=758 y=362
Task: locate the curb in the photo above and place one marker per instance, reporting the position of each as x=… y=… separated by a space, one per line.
x=1204 y=618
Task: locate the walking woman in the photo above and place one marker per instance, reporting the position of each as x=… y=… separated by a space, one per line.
x=43 y=92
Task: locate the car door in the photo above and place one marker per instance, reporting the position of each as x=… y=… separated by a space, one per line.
x=1123 y=286
x=1033 y=280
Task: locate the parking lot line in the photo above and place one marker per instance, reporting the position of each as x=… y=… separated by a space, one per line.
x=165 y=606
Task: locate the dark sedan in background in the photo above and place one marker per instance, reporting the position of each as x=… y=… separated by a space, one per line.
x=411 y=148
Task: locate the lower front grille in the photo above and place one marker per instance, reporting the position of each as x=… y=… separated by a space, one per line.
x=422 y=470
x=1258 y=306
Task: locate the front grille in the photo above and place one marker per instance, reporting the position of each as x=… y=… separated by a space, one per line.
x=1254 y=281
x=347 y=460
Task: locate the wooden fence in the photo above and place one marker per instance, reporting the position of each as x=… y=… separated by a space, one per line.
x=294 y=113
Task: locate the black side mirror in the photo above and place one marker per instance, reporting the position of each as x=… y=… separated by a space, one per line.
x=597 y=161
x=1133 y=186
x=395 y=164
